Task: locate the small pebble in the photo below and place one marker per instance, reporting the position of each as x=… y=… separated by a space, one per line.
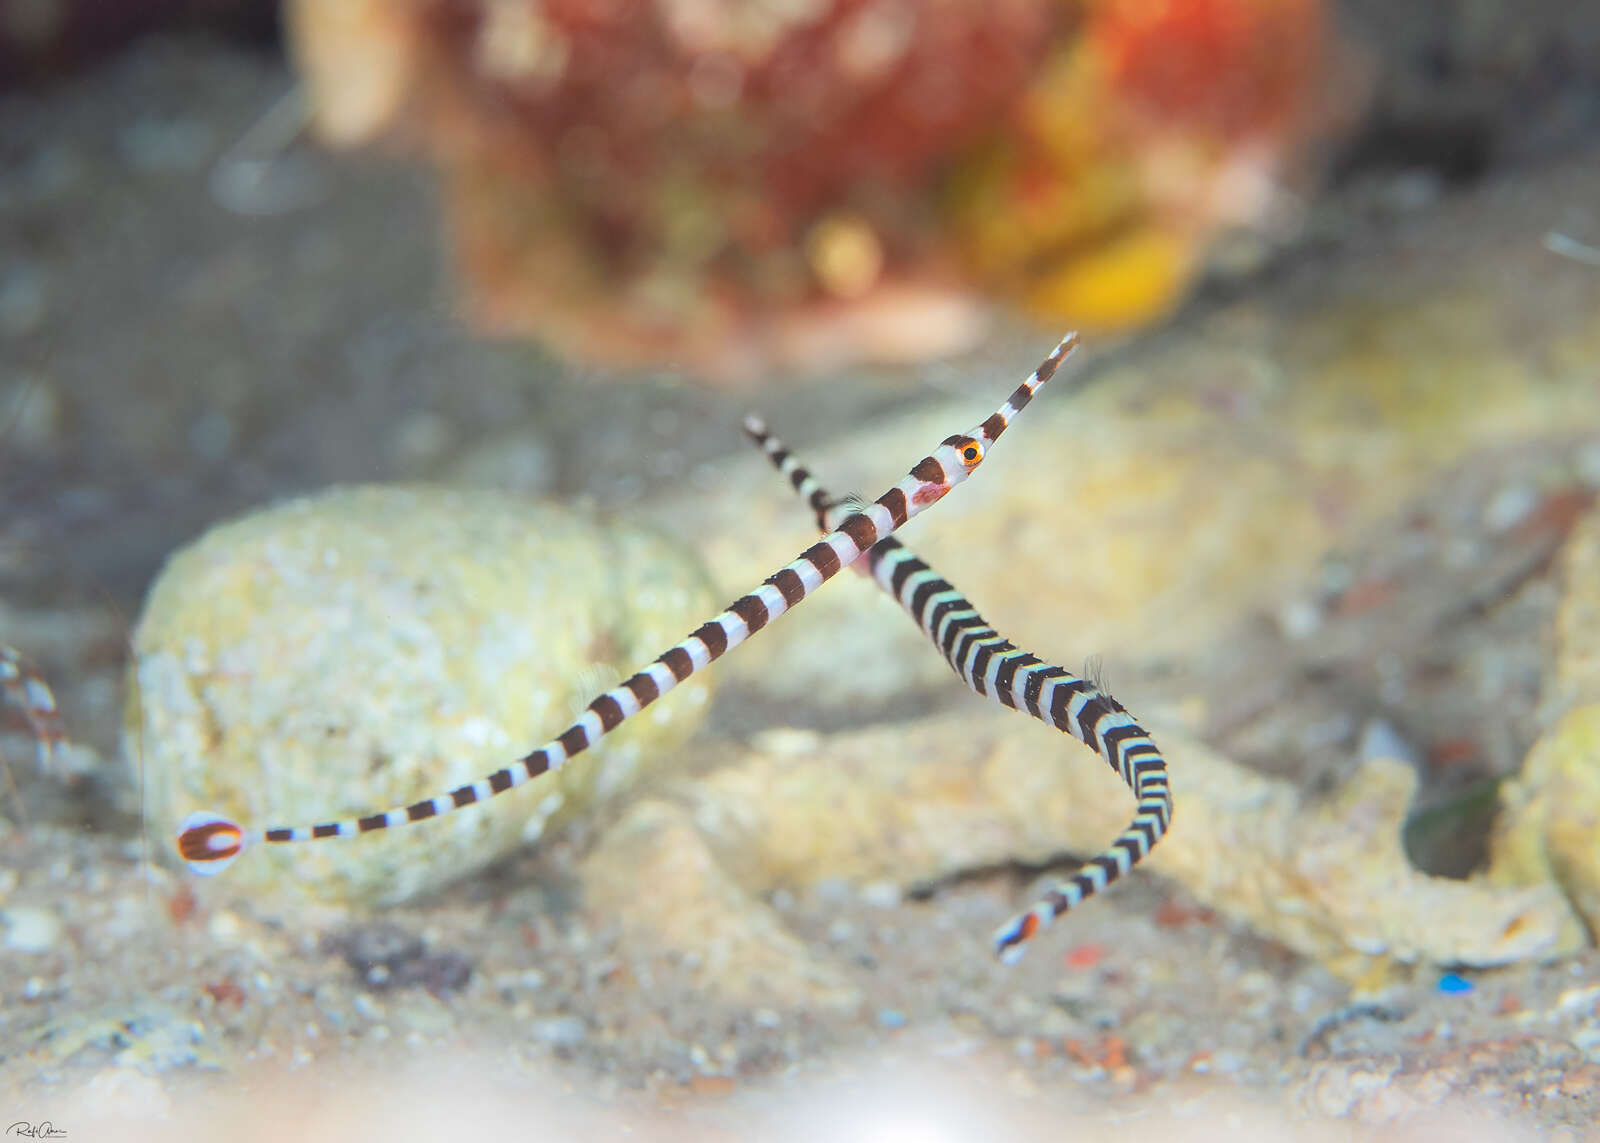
x=711 y=1084
x=30 y=929
x=225 y=927
x=786 y=742
x=833 y=891
x=881 y=894
x=891 y=1018
x=1085 y=956
x=126 y=1094
x=1587 y=1041
x=368 y=1007
x=766 y=1018
x=1380 y=739
x=1227 y=1063
x=1453 y=984
x=1509 y=507
x=1579 y=999
x=1299 y=619
x=561 y=1031
x=422 y=1016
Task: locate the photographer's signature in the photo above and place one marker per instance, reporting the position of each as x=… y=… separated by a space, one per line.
x=43 y=1130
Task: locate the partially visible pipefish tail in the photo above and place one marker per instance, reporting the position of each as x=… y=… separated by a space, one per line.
x=208 y=842
x=993 y=666
x=19 y=680
x=25 y=687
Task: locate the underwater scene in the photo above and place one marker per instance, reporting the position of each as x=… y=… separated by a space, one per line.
x=414 y=414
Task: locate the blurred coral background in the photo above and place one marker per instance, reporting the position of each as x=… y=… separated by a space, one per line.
x=733 y=186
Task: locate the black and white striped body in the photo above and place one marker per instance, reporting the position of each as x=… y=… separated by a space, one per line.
x=993 y=666
x=208 y=842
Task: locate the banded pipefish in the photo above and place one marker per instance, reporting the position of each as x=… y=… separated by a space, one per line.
x=208 y=842
x=992 y=665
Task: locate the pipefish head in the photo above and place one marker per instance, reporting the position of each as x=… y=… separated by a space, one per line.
x=208 y=843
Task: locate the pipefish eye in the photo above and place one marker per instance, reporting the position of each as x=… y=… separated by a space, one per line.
x=971 y=454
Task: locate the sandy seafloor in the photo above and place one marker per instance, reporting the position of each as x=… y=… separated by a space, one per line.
x=187 y=362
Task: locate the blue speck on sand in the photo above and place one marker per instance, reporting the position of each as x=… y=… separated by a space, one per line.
x=891 y=1018
x=1453 y=984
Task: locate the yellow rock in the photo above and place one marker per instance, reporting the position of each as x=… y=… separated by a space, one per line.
x=371 y=646
x=1549 y=827
x=918 y=802
x=1549 y=823
x=1577 y=675
x=695 y=904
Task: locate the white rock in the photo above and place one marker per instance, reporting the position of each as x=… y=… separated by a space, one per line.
x=30 y=929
